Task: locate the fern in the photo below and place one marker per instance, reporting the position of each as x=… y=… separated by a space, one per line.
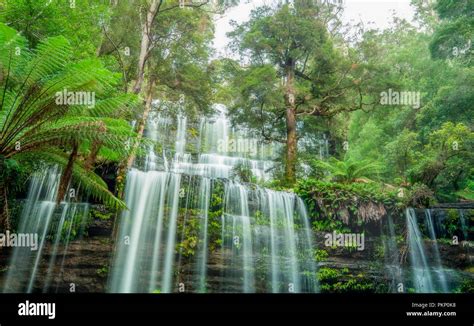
x=349 y=170
x=33 y=126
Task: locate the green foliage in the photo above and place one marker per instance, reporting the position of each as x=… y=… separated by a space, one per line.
x=326 y=224
x=468 y=192
x=320 y=255
x=326 y=274
x=188 y=227
x=35 y=126
x=331 y=205
x=418 y=195
x=349 y=170
x=446 y=165
x=453 y=36
x=467 y=286
x=416 y=146
x=292 y=55
x=215 y=215
x=101 y=214
x=452 y=222
x=103 y=271
x=40 y=19
x=402 y=152
x=243 y=173
x=333 y=280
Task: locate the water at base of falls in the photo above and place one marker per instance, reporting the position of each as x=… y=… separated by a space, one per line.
x=191 y=227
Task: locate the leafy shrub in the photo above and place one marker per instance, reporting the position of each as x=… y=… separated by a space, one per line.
x=333 y=205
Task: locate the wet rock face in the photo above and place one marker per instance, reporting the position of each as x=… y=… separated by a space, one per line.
x=83 y=268
x=458 y=256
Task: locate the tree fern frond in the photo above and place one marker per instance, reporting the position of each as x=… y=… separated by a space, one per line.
x=51 y=56
x=92 y=184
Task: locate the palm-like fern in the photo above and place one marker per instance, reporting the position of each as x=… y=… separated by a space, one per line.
x=349 y=170
x=34 y=126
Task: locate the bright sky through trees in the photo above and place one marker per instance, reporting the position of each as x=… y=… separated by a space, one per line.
x=373 y=13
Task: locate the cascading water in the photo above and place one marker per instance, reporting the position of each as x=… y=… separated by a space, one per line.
x=42 y=216
x=191 y=227
x=392 y=257
x=205 y=193
x=438 y=267
x=428 y=275
x=422 y=280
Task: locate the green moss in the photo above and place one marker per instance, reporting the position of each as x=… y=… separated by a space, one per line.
x=189 y=226
x=452 y=222
x=102 y=215
x=326 y=274
x=103 y=271
x=467 y=286
x=320 y=254
x=334 y=280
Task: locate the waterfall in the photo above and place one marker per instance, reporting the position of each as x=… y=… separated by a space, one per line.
x=280 y=210
x=422 y=279
x=438 y=268
x=428 y=275
x=392 y=256
x=42 y=216
x=237 y=215
x=205 y=193
x=196 y=227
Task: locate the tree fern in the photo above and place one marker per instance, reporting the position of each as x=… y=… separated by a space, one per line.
x=349 y=170
x=33 y=125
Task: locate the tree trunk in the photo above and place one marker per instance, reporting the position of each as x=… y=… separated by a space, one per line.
x=137 y=87
x=124 y=166
x=4 y=214
x=90 y=161
x=142 y=123
x=145 y=44
x=67 y=173
x=291 y=138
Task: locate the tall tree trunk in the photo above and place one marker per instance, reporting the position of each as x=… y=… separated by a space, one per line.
x=137 y=87
x=145 y=44
x=4 y=214
x=142 y=123
x=124 y=166
x=67 y=173
x=291 y=137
